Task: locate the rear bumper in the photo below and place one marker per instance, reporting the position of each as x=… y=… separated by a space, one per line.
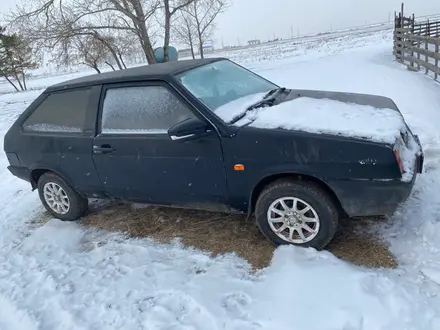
x=20 y=172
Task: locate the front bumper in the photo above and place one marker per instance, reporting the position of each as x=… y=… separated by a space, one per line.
x=371 y=198
x=361 y=198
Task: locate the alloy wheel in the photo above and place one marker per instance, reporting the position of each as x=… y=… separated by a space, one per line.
x=56 y=198
x=293 y=220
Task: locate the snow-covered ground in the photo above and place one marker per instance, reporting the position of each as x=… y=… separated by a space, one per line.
x=62 y=276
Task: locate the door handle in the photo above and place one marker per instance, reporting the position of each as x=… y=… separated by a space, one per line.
x=201 y=134
x=106 y=149
x=175 y=138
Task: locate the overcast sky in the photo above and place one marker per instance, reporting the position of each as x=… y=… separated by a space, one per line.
x=263 y=19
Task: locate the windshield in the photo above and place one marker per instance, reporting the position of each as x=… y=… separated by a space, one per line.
x=221 y=84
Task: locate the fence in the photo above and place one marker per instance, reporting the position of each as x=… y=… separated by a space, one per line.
x=416 y=43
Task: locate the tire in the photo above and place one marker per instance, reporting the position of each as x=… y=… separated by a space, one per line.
x=322 y=206
x=77 y=205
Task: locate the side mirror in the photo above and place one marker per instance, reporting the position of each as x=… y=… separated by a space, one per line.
x=189 y=129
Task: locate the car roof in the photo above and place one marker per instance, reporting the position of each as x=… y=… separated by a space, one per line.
x=153 y=71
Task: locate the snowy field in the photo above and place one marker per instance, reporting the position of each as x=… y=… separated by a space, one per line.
x=62 y=276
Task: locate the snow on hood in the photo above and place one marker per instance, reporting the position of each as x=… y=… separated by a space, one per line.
x=324 y=116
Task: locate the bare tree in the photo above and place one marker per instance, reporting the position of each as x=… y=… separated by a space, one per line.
x=139 y=12
x=54 y=21
x=185 y=31
x=80 y=47
x=127 y=47
x=92 y=52
x=170 y=8
x=203 y=14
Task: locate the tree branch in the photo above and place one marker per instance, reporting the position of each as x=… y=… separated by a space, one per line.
x=183 y=5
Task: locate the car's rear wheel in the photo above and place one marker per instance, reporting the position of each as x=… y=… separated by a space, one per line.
x=298 y=213
x=60 y=199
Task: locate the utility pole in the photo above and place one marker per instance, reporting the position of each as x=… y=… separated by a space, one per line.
x=401 y=11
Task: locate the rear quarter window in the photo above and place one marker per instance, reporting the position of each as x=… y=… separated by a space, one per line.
x=61 y=112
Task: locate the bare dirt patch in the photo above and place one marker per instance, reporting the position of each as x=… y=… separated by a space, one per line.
x=222 y=233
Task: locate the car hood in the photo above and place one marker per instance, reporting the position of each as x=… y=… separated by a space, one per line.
x=361 y=116
x=376 y=101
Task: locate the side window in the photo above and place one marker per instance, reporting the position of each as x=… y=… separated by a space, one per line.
x=141 y=109
x=60 y=112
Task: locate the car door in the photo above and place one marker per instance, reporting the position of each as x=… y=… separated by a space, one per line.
x=137 y=160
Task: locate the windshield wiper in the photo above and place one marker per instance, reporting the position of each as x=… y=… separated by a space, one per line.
x=268 y=99
x=276 y=91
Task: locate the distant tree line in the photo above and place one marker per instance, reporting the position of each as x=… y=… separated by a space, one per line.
x=100 y=33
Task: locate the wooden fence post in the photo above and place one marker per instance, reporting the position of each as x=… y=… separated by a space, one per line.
x=412 y=42
x=436 y=58
x=426 y=48
x=418 y=54
x=395 y=36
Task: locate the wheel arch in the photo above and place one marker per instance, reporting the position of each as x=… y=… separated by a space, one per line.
x=37 y=172
x=259 y=187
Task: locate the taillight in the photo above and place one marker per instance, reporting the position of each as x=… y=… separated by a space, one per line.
x=399 y=161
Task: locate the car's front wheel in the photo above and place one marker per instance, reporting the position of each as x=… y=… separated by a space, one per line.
x=296 y=212
x=60 y=199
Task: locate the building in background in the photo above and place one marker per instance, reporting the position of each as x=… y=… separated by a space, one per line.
x=184 y=52
x=208 y=46
x=254 y=42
